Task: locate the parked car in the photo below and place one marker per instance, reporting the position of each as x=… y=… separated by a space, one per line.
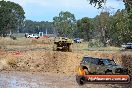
x=127 y=46
x=33 y=36
x=77 y=40
x=101 y=66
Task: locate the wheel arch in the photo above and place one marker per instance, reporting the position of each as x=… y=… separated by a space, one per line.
x=84 y=67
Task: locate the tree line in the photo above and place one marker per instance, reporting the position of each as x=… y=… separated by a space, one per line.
x=115 y=29
x=36 y=27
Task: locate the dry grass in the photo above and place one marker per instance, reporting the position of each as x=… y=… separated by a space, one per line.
x=80 y=46
x=24 y=41
x=84 y=46
x=110 y=48
x=42 y=41
x=7 y=61
x=19 y=41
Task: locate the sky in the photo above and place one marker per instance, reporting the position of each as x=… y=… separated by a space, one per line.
x=45 y=10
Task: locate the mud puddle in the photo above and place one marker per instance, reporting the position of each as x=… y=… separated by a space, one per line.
x=45 y=80
x=31 y=80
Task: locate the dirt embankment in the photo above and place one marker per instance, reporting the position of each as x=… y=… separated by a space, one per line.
x=55 y=62
x=46 y=61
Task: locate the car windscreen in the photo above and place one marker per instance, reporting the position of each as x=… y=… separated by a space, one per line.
x=109 y=62
x=77 y=39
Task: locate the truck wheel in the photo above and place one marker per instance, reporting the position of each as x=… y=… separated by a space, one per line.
x=36 y=37
x=70 y=48
x=55 y=47
x=81 y=80
x=65 y=49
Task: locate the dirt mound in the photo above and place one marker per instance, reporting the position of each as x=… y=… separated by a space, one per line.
x=48 y=61
x=56 y=62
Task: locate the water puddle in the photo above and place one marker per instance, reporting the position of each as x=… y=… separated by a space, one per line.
x=20 y=81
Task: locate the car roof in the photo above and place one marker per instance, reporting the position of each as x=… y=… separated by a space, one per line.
x=77 y=38
x=88 y=57
x=105 y=59
x=129 y=43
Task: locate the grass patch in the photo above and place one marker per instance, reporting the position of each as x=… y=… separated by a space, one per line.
x=109 y=48
x=24 y=41
x=85 y=47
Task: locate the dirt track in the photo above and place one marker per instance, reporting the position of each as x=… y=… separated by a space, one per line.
x=51 y=69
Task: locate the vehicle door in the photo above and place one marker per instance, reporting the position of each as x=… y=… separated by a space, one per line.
x=100 y=67
x=92 y=65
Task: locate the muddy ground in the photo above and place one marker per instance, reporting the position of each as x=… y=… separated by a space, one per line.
x=46 y=80
x=36 y=65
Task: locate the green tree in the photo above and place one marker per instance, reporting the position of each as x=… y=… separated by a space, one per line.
x=128 y=7
x=121 y=32
x=128 y=3
x=97 y=2
x=123 y=25
x=102 y=26
x=65 y=24
x=84 y=27
x=11 y=16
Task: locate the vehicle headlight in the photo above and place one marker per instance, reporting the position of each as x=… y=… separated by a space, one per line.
x=125 y=70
